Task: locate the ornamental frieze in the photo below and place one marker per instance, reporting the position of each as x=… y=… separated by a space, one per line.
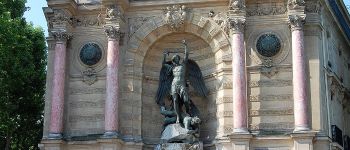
x=276 y=125
x=282 y=112
x=282 y=97
x=263 y=10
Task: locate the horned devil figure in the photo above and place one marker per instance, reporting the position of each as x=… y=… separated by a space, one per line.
x=173 y=82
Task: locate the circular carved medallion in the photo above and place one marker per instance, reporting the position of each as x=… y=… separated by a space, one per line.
x=90 y=54
x=268 y=45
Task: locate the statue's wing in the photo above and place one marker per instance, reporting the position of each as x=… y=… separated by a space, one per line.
x=165 y=79
x=196 y=78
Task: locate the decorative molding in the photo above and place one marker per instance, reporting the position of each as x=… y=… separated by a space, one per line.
x=237 y=6
x=262 y=10
x=92 y=118
x=113 y=13
x=58 y=17
x=270 y=83
x=236 y=25
x=89 y=76
x=269 y=112
x=295 y=4
x=113 y=32
x=88 y=21
x=275 y=125
x=61 y=35
x=220 y=19
x=296 y=22
x=282 y=97
x=174 y=16
x=313 y=7
x=223 y=100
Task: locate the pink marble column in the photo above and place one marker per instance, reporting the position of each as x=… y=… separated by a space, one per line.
x=112 y=96
x=299 y=74
x=57 y=97
x=239 y=88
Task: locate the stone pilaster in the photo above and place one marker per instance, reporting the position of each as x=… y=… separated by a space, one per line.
x=238 y=75
x=57 y=97
x=299 y=74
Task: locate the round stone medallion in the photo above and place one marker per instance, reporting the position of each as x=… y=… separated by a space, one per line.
x=90 y=54
x=268 y=45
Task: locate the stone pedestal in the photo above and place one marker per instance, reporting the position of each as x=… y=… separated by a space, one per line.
x=303 y=141
x=51 y=145
x=240 y=141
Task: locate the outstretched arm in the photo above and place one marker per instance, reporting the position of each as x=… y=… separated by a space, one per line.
x=186 y=51
x=164 y=57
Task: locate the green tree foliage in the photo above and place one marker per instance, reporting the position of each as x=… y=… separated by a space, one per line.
x=22 y=78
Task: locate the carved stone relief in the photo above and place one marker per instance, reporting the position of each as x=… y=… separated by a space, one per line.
x=313 y=7
x=175 y=16
x=262 y=10
x=135 y=23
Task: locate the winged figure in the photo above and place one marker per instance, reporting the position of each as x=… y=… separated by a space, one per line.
x=173 y=83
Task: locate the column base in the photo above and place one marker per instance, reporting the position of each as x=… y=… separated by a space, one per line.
x=240 y=131
x=303 y=140
x=110 y=135
x=298 y=129
x=55 y=136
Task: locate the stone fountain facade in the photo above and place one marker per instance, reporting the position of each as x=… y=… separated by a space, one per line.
x=278 y=72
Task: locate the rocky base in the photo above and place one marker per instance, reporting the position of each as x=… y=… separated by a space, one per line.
x=174 y=133
x=179 y=146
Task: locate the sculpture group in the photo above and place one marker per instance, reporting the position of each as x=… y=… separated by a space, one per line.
x=181 y=113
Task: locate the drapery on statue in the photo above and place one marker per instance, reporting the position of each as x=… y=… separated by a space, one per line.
x=173 y=82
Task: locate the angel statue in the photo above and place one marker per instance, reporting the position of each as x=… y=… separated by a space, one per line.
x=173 y=83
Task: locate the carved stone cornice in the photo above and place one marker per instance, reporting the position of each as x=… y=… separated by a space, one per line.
x=236 y=25
x=296 y=22
x=113 y=32
x=237 y=5
x=296 y=4
x=61 y=35
x=174 y=16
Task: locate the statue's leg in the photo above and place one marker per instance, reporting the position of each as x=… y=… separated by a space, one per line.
x=176 y=107
x=186 y=100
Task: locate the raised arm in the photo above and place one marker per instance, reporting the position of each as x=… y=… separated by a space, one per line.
x=164 y=57
x=186 y=51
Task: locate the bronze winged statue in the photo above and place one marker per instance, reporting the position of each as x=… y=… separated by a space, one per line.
x=173 y=83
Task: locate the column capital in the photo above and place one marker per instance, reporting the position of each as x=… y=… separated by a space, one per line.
x=61 y=35
x=236 y=25
x=296 y=22
x=113 y=32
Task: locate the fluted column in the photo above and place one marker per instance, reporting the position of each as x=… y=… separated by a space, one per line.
x=299 y=73
x=112 y=86
x=57 y=97
x=238 y=76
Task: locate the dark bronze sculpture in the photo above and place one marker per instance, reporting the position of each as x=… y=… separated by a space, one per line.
x=173 y=85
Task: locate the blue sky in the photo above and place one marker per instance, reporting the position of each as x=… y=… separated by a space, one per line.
x=36 y=15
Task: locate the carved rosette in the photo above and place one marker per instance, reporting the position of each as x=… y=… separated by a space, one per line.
x=113 y=32
x=236 y=25
x=296 y=22
x=61 y=35
x=175 y=16
x=237 y=5
x=295 y=4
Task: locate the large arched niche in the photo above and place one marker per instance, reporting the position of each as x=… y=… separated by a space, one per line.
x=202 y=53
x=138 y=98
